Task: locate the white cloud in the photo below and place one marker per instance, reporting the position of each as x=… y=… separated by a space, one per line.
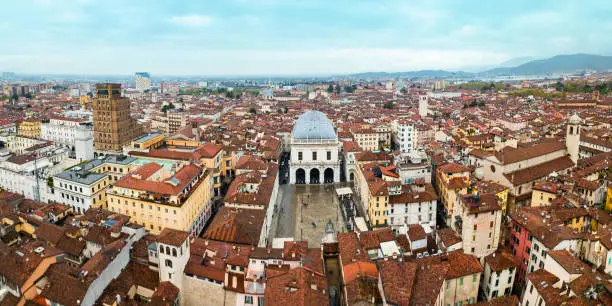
x=192 y=20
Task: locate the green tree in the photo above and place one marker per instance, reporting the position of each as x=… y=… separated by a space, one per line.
x=252 y=111
x=388 y=105
x=404 y=90
x=481 y=103
x=330 y=89
x=166 y=107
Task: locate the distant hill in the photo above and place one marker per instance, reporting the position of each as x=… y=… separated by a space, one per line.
x=557 y=64
x=434 y=74
x=568 y=63
x=513 y=62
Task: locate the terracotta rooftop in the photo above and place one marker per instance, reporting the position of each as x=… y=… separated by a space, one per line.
x=172 y=237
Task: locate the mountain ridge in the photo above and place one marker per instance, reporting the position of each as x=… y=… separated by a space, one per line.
x=562 y=63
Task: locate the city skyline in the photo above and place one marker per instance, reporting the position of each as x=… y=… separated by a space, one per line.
x=290 y=37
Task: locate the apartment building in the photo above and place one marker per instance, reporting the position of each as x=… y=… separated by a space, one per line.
x=157 y=197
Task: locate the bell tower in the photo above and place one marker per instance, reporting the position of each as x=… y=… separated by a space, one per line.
x=572 y=137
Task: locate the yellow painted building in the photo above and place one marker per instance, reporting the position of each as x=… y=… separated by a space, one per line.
x=147 y=142
x=378 y=202
x=543 y=193
x=452 y=180
x=500 y=191
x=208 y=155
x=374 y=193
x=228 y=164
x=182 y=143
x=608 y=206
x=157 y=199
x=29 y=128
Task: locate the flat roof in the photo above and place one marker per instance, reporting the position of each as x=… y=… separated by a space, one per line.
x=147 y=137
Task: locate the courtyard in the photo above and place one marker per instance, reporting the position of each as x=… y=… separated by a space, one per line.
x=304 y=210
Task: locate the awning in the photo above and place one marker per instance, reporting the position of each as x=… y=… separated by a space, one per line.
x=344 y=191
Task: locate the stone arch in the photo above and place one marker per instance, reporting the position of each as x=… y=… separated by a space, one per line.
x=300 y=176
x=328 y=176
x=315 y=176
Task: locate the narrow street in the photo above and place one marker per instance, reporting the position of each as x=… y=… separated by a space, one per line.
x=283 y=223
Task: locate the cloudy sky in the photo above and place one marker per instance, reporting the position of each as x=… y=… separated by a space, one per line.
x=290 y=37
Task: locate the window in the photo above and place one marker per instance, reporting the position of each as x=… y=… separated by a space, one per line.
x=475 y=226
x=474 y=278
x=461 y=281
x=248 y=299
x=314 y=155
x=491 y=224
x=328 y=155
x=299 y=155
x=168 y=263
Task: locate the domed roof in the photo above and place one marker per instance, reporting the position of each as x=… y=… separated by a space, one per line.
x=313 y=125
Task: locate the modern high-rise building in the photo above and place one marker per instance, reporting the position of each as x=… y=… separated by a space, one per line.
x=113 y=125
x=143 y=81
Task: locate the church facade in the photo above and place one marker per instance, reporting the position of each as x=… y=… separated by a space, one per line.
x=314 y=150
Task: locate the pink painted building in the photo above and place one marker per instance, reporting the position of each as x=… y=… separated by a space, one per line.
x=520 y=245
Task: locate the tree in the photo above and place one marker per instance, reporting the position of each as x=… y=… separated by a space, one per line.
x=252 y=111
x=481 y=103
x=166 y=107
x=404 y=90
x=330 y=89
x=388 y=105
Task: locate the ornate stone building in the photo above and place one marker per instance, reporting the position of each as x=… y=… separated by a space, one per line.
x=314 y=150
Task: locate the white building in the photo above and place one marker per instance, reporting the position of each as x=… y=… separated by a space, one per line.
x=84 y=144
x=404 y=136
x=413 y=167
x=415 y=207
x=499 y=273
x=143 y=81
x=423 y=105
x=18 y=173
x=314 y=150
x=81 y=188
x=63 y=130
x=478 y=219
